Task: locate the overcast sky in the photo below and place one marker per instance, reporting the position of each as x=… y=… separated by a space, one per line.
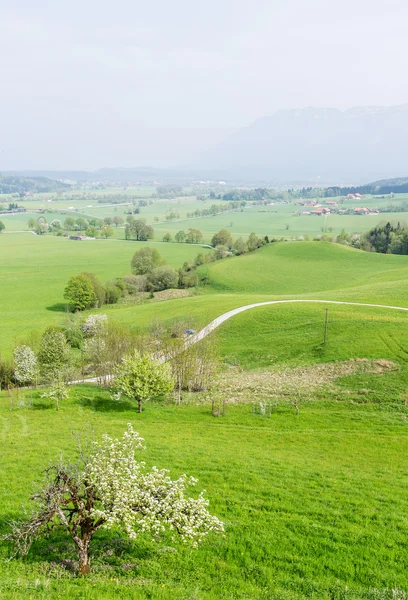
x=87 y=84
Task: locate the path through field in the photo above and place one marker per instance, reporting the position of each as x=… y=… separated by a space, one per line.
x=200 y=335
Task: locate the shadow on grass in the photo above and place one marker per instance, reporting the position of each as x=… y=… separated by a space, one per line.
x=108 y=550
x=58 y=307
x=104 y=404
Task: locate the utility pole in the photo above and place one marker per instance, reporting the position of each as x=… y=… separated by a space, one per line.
x=326 y=326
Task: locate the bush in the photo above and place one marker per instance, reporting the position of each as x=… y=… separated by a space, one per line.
x=113 y=293
x=187 y=279
x=145 y=260
x=162 y=278
x=135 y=283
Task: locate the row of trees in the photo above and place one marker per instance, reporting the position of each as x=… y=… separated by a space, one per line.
x=91 y=227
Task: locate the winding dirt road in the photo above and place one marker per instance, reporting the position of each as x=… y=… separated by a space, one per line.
x=200 y=335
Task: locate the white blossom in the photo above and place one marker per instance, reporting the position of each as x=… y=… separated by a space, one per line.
x=94 y=325
x=25 y=364
x=142 y=500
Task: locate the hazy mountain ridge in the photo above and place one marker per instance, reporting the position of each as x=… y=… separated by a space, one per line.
x=356 y=145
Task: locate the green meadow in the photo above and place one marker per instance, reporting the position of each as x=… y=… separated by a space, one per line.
x=278 y=219
x=35 y=269
x=315 y=505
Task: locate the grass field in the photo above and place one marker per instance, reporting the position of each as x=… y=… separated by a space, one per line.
x=35 y=270
x=312 y=504
x=315 y=505
x=276 y=220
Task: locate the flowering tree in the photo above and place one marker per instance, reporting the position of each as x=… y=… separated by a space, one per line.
x=114 y=489
x=141 y=377
x=95 y=325
x=57 y=392
x=25 y=365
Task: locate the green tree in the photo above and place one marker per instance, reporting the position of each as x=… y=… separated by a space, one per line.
x=240 y=246
x=2 y=226
x=162 y=278
x=81 y=224
x=106 y=232
x=140 y=377
x=180 y=236
x=222 y=238
x=31 y=223
x=137 y=229
x=167 y=237
x=80 y=293
x=69 y=224
x=117 y=221
x=53 y=356
x=58 y=391
x=145 y=260
x=92 y=231
x=253 y=242
x=194 y=236
x=97 y=286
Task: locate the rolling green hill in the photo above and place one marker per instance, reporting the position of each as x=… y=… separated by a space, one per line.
x=304 y=267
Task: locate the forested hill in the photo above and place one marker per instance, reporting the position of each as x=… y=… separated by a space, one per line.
x=15 y=184
x=398 y=185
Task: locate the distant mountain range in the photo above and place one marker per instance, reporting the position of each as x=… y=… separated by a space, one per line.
x=310 y=146
x=313 y=144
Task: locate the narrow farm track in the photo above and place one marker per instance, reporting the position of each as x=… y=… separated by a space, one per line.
x=235 y=311
x=200 y=335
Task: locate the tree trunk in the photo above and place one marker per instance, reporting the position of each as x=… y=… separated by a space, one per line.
x=139 y=404
x=83 y=556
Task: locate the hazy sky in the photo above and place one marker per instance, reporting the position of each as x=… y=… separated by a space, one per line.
x=87 y=84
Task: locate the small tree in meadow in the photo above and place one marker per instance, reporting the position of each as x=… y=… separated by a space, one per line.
x=80 y=292
x=141 y=377
x=53 y=356
x=25 y=365
x=2 y=226
x=111 y=489
x=58 y=391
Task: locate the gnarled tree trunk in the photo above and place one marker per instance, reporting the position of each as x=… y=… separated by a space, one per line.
x=84 y=558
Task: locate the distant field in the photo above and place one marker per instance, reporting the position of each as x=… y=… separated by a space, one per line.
x=276 y=220
x=34 y=271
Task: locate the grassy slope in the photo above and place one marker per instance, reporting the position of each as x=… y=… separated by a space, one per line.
x=35 y=270
x=299 y=268
x=312 y=504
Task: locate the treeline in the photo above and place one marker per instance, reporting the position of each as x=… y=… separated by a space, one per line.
x=249 y=194
x=90 y=227
x=13 y=184
x=216 y=209
x=387 y=239
x=386 y=187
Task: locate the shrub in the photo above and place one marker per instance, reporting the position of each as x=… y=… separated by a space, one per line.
x=162 y=278
x=145 y=260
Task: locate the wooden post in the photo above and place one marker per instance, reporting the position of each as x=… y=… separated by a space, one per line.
x=326 y=326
